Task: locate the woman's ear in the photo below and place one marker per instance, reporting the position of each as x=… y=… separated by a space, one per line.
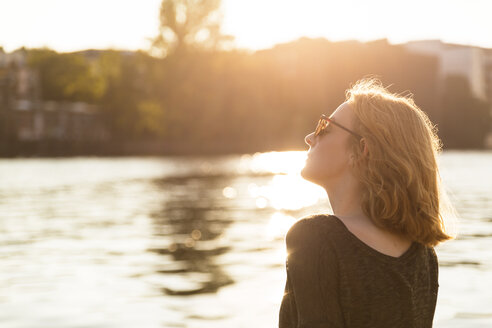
x=363 y=145
x=363 y=149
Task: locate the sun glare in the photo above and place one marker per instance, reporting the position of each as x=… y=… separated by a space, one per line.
x=287 y=162
x=278 y=225
x=258 y=24
x=287 y=190
x=278 y=21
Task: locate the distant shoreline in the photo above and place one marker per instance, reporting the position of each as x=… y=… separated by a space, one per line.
x=38 y=149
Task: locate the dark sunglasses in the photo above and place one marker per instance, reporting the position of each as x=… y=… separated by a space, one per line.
x=323 y=124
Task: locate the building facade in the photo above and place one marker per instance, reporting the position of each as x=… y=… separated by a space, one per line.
x=26 y=117
x=473 y=63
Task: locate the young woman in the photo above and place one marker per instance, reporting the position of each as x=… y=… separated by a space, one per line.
x=372 y=263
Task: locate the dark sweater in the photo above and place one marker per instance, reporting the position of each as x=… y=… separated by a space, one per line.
x=336 y=280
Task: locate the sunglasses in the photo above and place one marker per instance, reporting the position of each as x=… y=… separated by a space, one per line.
x=323 y=124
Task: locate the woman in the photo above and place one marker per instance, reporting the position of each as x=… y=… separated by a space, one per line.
x=372 y=263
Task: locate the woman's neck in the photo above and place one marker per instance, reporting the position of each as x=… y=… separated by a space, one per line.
x=345 y=200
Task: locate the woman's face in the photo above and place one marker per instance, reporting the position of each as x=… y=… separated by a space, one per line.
x=329 y=157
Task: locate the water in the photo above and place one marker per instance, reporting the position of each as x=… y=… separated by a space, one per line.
x=193 y=241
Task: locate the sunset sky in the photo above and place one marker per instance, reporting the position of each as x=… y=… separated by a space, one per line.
x=68 y=25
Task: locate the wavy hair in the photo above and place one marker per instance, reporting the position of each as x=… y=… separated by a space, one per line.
x=401 y=184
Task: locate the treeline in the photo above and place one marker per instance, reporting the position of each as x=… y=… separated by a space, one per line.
x=237 y=101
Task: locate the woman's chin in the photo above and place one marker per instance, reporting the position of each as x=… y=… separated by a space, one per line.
x=305 y=173
x=308 y=175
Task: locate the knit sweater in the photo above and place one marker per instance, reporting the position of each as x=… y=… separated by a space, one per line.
x=334 y=279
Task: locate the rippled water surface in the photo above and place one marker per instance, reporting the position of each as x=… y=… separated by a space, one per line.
x=194 y=241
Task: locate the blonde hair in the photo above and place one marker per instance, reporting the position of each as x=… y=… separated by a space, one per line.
x=401 y=189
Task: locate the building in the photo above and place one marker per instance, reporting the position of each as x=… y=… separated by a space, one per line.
x=473 y=63
x=26 y=117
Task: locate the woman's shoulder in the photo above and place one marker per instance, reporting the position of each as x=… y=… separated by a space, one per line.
x=311 y=226
x=314 y=220
x=307 y=239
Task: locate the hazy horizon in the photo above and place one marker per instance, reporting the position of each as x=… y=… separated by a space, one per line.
x=127 y=25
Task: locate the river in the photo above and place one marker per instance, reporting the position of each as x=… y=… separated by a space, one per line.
x=194 y=241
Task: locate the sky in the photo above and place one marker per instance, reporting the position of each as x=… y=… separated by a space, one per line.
x=70 y=25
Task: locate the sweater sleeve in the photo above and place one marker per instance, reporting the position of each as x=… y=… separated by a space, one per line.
x=313 y=276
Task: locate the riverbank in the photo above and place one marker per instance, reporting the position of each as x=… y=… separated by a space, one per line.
x=131 y=148
x=65 y=148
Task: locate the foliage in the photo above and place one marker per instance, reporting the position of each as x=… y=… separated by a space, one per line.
x=66 y=76
x=128 y=104
x=189 y=24
x=232 y=100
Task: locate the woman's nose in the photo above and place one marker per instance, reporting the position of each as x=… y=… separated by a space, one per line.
x=309 y=139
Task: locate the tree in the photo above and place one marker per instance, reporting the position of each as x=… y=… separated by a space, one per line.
x=66 y=77
x=186 y=24
x=129 y=105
